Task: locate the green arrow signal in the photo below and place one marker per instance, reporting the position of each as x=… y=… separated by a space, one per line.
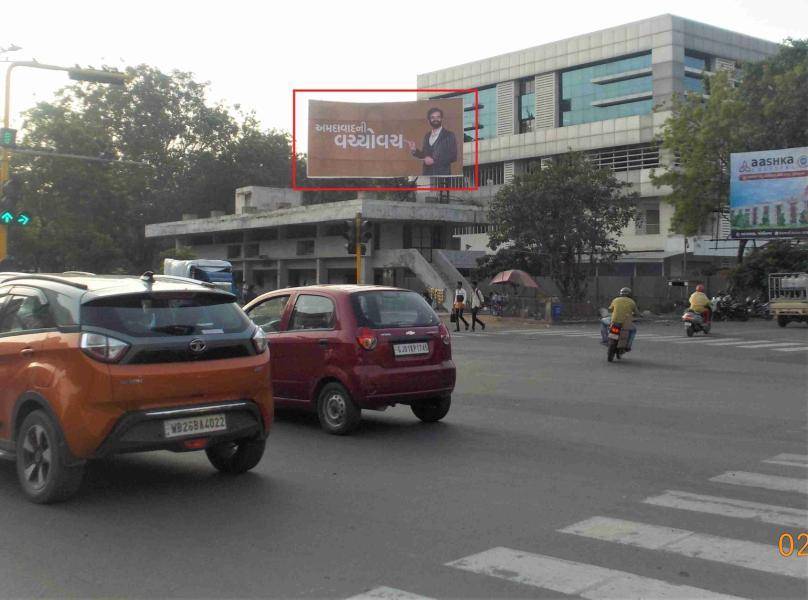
x=7 y=217
x=23 y=219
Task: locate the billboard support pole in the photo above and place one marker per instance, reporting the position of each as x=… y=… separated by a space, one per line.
x=357 y=227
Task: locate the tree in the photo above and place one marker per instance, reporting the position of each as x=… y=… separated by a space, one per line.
x=565 y=216
x=765 y=110
x=779 y=256
x=90 y=215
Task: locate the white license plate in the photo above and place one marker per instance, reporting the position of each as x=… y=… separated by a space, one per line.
x=688 y=324
x=410 y=349
x=614 y=336
x=194 y=425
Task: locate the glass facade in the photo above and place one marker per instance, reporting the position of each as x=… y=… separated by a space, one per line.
x=695 y=62
x=694 y=84
x=527 y=104
x=488 y=114
x=580 y=88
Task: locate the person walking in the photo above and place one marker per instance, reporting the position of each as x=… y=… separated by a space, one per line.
x=477 y=302
x=459 y=305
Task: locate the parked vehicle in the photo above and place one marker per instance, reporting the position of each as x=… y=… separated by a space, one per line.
x=217 y=272
x=339 y=349
x=694 y=323
x=617 y=341
x=97 y=365
x=757 y=308
x=788 y=297
x=727 y=308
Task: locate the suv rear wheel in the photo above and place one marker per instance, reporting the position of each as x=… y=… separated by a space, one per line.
x=41 y=461
x=433 y=409
x=336 y=410
x=236 y=457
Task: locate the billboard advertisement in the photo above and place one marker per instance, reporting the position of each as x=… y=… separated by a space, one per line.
x=385 y=139
x=768 y=193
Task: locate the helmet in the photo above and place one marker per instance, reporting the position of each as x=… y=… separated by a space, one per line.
x=626 y=291
x=700 y=288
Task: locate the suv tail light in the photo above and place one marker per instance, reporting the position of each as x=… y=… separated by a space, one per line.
x=366 y=338
x=445 y=337
x=103 y=347
x=259 y=340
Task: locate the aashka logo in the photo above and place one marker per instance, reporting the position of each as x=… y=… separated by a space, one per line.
x=744 y=168
x=804 y=161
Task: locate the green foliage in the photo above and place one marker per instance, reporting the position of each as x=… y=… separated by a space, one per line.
x=779 y=256
x=765 y=110
x=181 y=253
x=90 y=215
x=564 y=217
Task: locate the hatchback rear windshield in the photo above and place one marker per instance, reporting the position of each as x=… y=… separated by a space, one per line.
x=155 y=315
x=383 y=309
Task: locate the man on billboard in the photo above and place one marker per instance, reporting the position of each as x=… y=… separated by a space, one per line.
x=439 y=148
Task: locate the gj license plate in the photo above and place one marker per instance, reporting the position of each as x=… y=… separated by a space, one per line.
x=411 y=349
x=614 y=336
x=195 y=425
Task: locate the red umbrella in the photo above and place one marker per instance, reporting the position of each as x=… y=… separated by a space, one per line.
x=515 y=277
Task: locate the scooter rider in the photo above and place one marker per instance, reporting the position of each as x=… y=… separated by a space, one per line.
x=700 y=304
x=623 y=309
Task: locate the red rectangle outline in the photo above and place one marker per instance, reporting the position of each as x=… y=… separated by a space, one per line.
x=388 y=189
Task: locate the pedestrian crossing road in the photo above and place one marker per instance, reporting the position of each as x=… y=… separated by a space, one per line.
x=537 y=569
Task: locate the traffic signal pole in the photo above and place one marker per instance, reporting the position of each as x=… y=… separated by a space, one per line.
x=357 y=227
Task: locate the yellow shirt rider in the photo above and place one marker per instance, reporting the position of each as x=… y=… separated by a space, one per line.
x=623 y=309
x=700 y=303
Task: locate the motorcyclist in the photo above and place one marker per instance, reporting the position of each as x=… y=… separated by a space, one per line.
x=700 y=303
x=623 y=309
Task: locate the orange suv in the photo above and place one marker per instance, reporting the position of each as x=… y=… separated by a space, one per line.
x=97 y=365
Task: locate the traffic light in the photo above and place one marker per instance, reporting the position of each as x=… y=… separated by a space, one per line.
x=348 y=231
x=8 y=137
x=9 y=193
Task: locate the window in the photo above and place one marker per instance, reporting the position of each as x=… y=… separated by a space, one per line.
x=490 y=174
x=626 y=158
x=312 y=312
x=487 y=119
x=268 y=314
x=26 y=313
x=305 y=247
x=650 y=220
x=527 y=104
x=301 y=231
x=381 y=310
x=619 y=88
x=234 y=251
x=694 y=60
x=250 y=250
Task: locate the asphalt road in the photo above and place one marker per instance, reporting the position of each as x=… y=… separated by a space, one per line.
x=555 y=473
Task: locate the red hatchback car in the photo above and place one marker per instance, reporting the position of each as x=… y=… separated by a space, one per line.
x=338 y=349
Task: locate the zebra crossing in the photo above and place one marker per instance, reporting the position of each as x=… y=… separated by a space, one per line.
x=642 y=337
x=594 y=582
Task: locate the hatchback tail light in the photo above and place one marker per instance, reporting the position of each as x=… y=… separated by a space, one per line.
x=445 y=337
x=366 y=338
x=259 y=340
x=103 y=347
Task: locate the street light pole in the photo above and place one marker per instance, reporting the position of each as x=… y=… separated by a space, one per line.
x=92 y=75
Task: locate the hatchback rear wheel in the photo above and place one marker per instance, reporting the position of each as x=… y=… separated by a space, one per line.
x=236 y=457
x=42 y=458
x=336 y=410
x=433 y=409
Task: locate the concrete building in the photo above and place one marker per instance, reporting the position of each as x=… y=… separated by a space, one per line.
x=274 y=241
x=603 y=93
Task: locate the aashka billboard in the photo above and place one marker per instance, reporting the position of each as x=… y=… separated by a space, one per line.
x=768 y=193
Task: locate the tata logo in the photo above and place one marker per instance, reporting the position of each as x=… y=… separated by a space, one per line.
x=197 y=346
x=744 y=168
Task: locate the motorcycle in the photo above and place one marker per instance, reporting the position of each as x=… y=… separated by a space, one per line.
x=757 y=308
x=694 y=322
x=617 y=340
x=726 y=308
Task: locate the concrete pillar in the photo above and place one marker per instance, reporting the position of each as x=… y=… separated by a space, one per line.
x=322 y=274
x=283 y=274
x=177 y=243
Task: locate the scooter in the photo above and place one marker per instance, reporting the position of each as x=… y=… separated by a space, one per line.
x=694 y=322
x=617 y=340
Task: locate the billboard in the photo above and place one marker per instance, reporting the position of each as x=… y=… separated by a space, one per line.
x=385 y=139
x=768 y=193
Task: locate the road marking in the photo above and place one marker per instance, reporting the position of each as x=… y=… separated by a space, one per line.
x=730 y=507
x=769 y=482
x=789 y=460
x=772 y=345
x=388 y=593
x=725 y=342
x=739 y=553
x=800 y=349
x=574 y=578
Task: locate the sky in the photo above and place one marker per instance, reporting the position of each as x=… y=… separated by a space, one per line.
x=253 y=53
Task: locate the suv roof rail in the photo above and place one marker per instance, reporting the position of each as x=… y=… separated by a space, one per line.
x=207 y=284
x=53 y=278
x=79 y=273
